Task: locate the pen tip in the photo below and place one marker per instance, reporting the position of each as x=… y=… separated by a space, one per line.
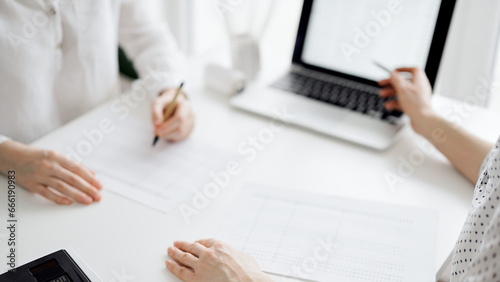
x=154 y=141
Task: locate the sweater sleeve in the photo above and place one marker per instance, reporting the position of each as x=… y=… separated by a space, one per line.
x=151 y=46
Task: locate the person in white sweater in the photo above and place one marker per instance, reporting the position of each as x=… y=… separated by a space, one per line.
x=58 y=60
x=477 y=251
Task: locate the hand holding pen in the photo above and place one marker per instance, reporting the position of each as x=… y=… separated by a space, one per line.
x=173 y=116
x=408 y=93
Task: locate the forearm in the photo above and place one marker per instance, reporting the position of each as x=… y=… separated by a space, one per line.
x=465 y=151
x=266 y=278
x=6 y=158
x=258 y=277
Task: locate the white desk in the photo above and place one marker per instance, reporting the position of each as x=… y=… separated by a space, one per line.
x=119 y=235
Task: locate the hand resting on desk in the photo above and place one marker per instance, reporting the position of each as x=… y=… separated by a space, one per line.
x=210 y=260
x=49 y=174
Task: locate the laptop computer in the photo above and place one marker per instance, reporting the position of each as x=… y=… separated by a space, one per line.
x=331 y=86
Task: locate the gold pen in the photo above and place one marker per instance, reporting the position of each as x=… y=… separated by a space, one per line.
x=170 y=110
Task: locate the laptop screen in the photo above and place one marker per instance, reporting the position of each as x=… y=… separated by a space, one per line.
x=349 y=36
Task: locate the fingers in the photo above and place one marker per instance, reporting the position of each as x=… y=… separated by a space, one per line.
x=387 y=92
x=392 y=105
x=175 y=136
x=160 y=105
x=157 y=111
x=78 y=183
x=70 y=179
x=398 y=82
x=172 y=123
x=207 y=242
x=168 y=128
x=178 y=117
x=45 y=192
x=413 y=71
x=181 y=272
x=385 y=82
x=179 y=126
x=193 y=248
x=62 y=187
x=184 y=258
x=416 y=72
x=80 y=170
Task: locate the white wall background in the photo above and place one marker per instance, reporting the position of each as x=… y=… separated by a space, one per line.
x=495 y=98
x=201 y=20
x=471 y=49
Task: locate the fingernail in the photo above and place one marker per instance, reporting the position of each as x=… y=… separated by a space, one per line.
x=87 y=200
x=66 y=202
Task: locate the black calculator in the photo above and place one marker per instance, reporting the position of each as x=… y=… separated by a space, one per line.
x=56 y=267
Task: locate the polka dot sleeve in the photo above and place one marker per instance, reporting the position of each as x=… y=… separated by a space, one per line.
x=477 y=252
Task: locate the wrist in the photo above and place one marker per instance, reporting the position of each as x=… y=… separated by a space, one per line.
x=262 y=277
x=254 y=276
x=6 y=160
x=424 y=122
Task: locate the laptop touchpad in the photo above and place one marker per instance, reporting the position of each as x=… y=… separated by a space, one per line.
x=315 y=115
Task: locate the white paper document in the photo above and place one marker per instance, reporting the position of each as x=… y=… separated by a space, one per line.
x=127 y=164
x=325 y=238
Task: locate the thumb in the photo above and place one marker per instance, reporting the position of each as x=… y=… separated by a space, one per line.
x=157 y=110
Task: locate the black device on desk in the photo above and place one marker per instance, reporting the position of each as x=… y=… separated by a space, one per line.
x=56 y=267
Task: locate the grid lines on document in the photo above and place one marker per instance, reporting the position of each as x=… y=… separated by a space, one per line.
x=285 y=234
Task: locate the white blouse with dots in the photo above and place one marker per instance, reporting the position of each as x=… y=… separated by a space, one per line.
x=477 y=252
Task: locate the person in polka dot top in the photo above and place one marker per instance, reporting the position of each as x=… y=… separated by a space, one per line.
x=476 y=256
x=477 y=252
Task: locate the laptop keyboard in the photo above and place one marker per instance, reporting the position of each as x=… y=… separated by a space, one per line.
x=339 y=92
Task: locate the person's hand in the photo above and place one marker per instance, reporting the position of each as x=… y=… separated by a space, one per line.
x=180 y=125
x=413 y=96
x=49 y=174
x=210 y=260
